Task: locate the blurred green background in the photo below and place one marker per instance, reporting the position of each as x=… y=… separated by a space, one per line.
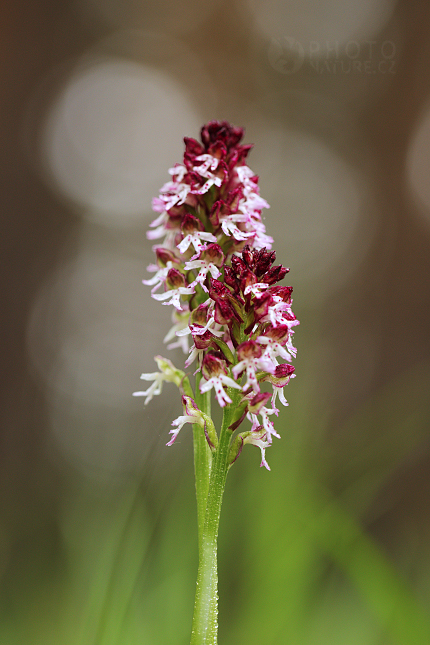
x=98 y=542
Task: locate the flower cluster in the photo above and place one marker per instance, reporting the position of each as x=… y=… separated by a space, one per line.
x=216 y=268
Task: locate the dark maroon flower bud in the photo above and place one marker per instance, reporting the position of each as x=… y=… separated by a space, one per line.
x=230 y=279
x=284 y=370
x=235 y=135
x=195 y=180
x=224 y=313
x=227 y=306
x=222 y=171
x=248 y=257
x=175 y=214
x=248 y=279
x=263 y=261
x=193 y=147
x=189 y=162
x=282 y=375
x=238 y=265
x=221 y=131
x=238 y=155
x=243 y=152
x=218 y=291
x=288 y=315
x=258 y=261
x=275 y=274
x=175 y=279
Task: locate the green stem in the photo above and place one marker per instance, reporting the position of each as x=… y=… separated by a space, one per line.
x=202 y=460
x=205 y=623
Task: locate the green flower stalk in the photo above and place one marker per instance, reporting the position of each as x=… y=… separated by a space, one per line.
x=215 y=264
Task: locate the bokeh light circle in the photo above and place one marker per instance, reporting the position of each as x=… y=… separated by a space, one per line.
x=110 y=131
x=317 y=207
x=418 y=163
x=330 y=24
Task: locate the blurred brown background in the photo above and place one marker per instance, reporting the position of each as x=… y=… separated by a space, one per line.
x=96 y=97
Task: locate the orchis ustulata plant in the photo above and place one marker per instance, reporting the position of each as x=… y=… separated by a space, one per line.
x=215 y=267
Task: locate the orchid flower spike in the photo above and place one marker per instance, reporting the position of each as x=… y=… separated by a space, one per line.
x=215 y=266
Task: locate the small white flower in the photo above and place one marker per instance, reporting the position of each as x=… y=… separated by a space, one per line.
x=266 y=423
x=276 y=313
x=205 y=268
x=168 y=233
x=208 y=166
x=180 y=422
x=251 y=361
x=174 y=193
x=194 y=416
x=198 y=330
x=195 y=354
x=274 y=349
x=256 y=289
x=180 y=324
x=159 y=278
x=261 y=240
x=230 y=229
x=195 y=238
x=178 y=171
x=206 y=169
x=244 y=173
x=259 y=439
x=168 y=373
x=174 y=295
x=155 y=388
x=217 y=181
x=278 y=391
x=217 y=383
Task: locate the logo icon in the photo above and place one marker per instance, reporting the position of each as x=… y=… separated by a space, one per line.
x=286 y=55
